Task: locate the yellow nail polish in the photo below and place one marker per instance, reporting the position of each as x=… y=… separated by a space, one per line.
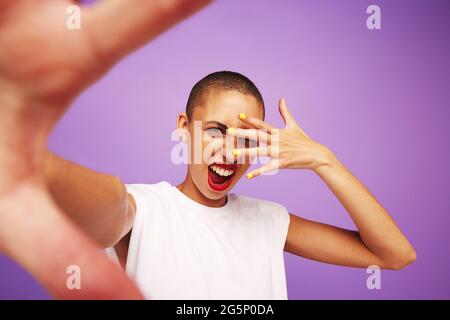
x=236 y=152
x=242 y=116
x=231 y=130
x=249 y=175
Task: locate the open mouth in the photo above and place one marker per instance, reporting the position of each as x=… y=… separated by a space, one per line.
x=220 y=175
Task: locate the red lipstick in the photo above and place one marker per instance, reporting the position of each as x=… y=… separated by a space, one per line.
x=220 y=181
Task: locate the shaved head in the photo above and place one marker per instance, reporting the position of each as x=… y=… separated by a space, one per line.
x=221 y=80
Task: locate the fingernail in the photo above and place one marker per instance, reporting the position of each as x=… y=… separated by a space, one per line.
x=242 y=116
x=249 y=175
x=231 y=130
x=236 y=152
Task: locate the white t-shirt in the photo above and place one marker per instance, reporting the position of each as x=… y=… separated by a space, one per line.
x=181 y=249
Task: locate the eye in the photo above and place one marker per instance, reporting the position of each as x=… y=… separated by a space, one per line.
x=215 y=132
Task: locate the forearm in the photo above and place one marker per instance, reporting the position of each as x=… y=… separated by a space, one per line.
x=376 y=228
x=94 y=201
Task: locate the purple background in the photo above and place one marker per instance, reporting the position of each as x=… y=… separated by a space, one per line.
x=378 y=99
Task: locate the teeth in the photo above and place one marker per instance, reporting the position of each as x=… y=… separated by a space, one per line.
x=221 y=171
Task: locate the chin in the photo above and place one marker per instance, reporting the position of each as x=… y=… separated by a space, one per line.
x=213 y=195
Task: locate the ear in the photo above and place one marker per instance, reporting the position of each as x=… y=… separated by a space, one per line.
x=182 y=126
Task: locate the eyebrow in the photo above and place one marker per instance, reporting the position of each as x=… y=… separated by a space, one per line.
x=218 y=124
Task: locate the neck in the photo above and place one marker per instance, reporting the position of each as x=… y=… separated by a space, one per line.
x=189 y=188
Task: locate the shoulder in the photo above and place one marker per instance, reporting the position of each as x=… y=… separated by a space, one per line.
x=272 y=211
x=272 y=215
x=146 y=195
x=149 y=189
x=261 y=205
x=155 y=190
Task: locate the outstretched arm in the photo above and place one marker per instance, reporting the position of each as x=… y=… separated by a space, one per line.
x=43 y=67
x=378 y=240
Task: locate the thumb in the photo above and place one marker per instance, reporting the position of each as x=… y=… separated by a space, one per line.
x=287 y=116
x=285 y=113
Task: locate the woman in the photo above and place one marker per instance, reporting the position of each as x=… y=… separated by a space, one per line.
x=45 y=200
x=199 y=241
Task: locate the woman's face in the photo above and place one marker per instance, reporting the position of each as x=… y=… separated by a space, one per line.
x=212 y=166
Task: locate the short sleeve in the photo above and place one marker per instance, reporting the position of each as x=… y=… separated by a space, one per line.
x=279 y=221
x=139 y=196
x=144 y=199
x=282 y=220
x=142 y=209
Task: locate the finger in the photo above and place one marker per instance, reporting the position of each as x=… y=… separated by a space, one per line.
x=255 y=122
x=285 y=113
x=6 y=3
x=117 y=27
x=271 y=166
x=51 y=228
x=251 y=152
x=255 y=135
